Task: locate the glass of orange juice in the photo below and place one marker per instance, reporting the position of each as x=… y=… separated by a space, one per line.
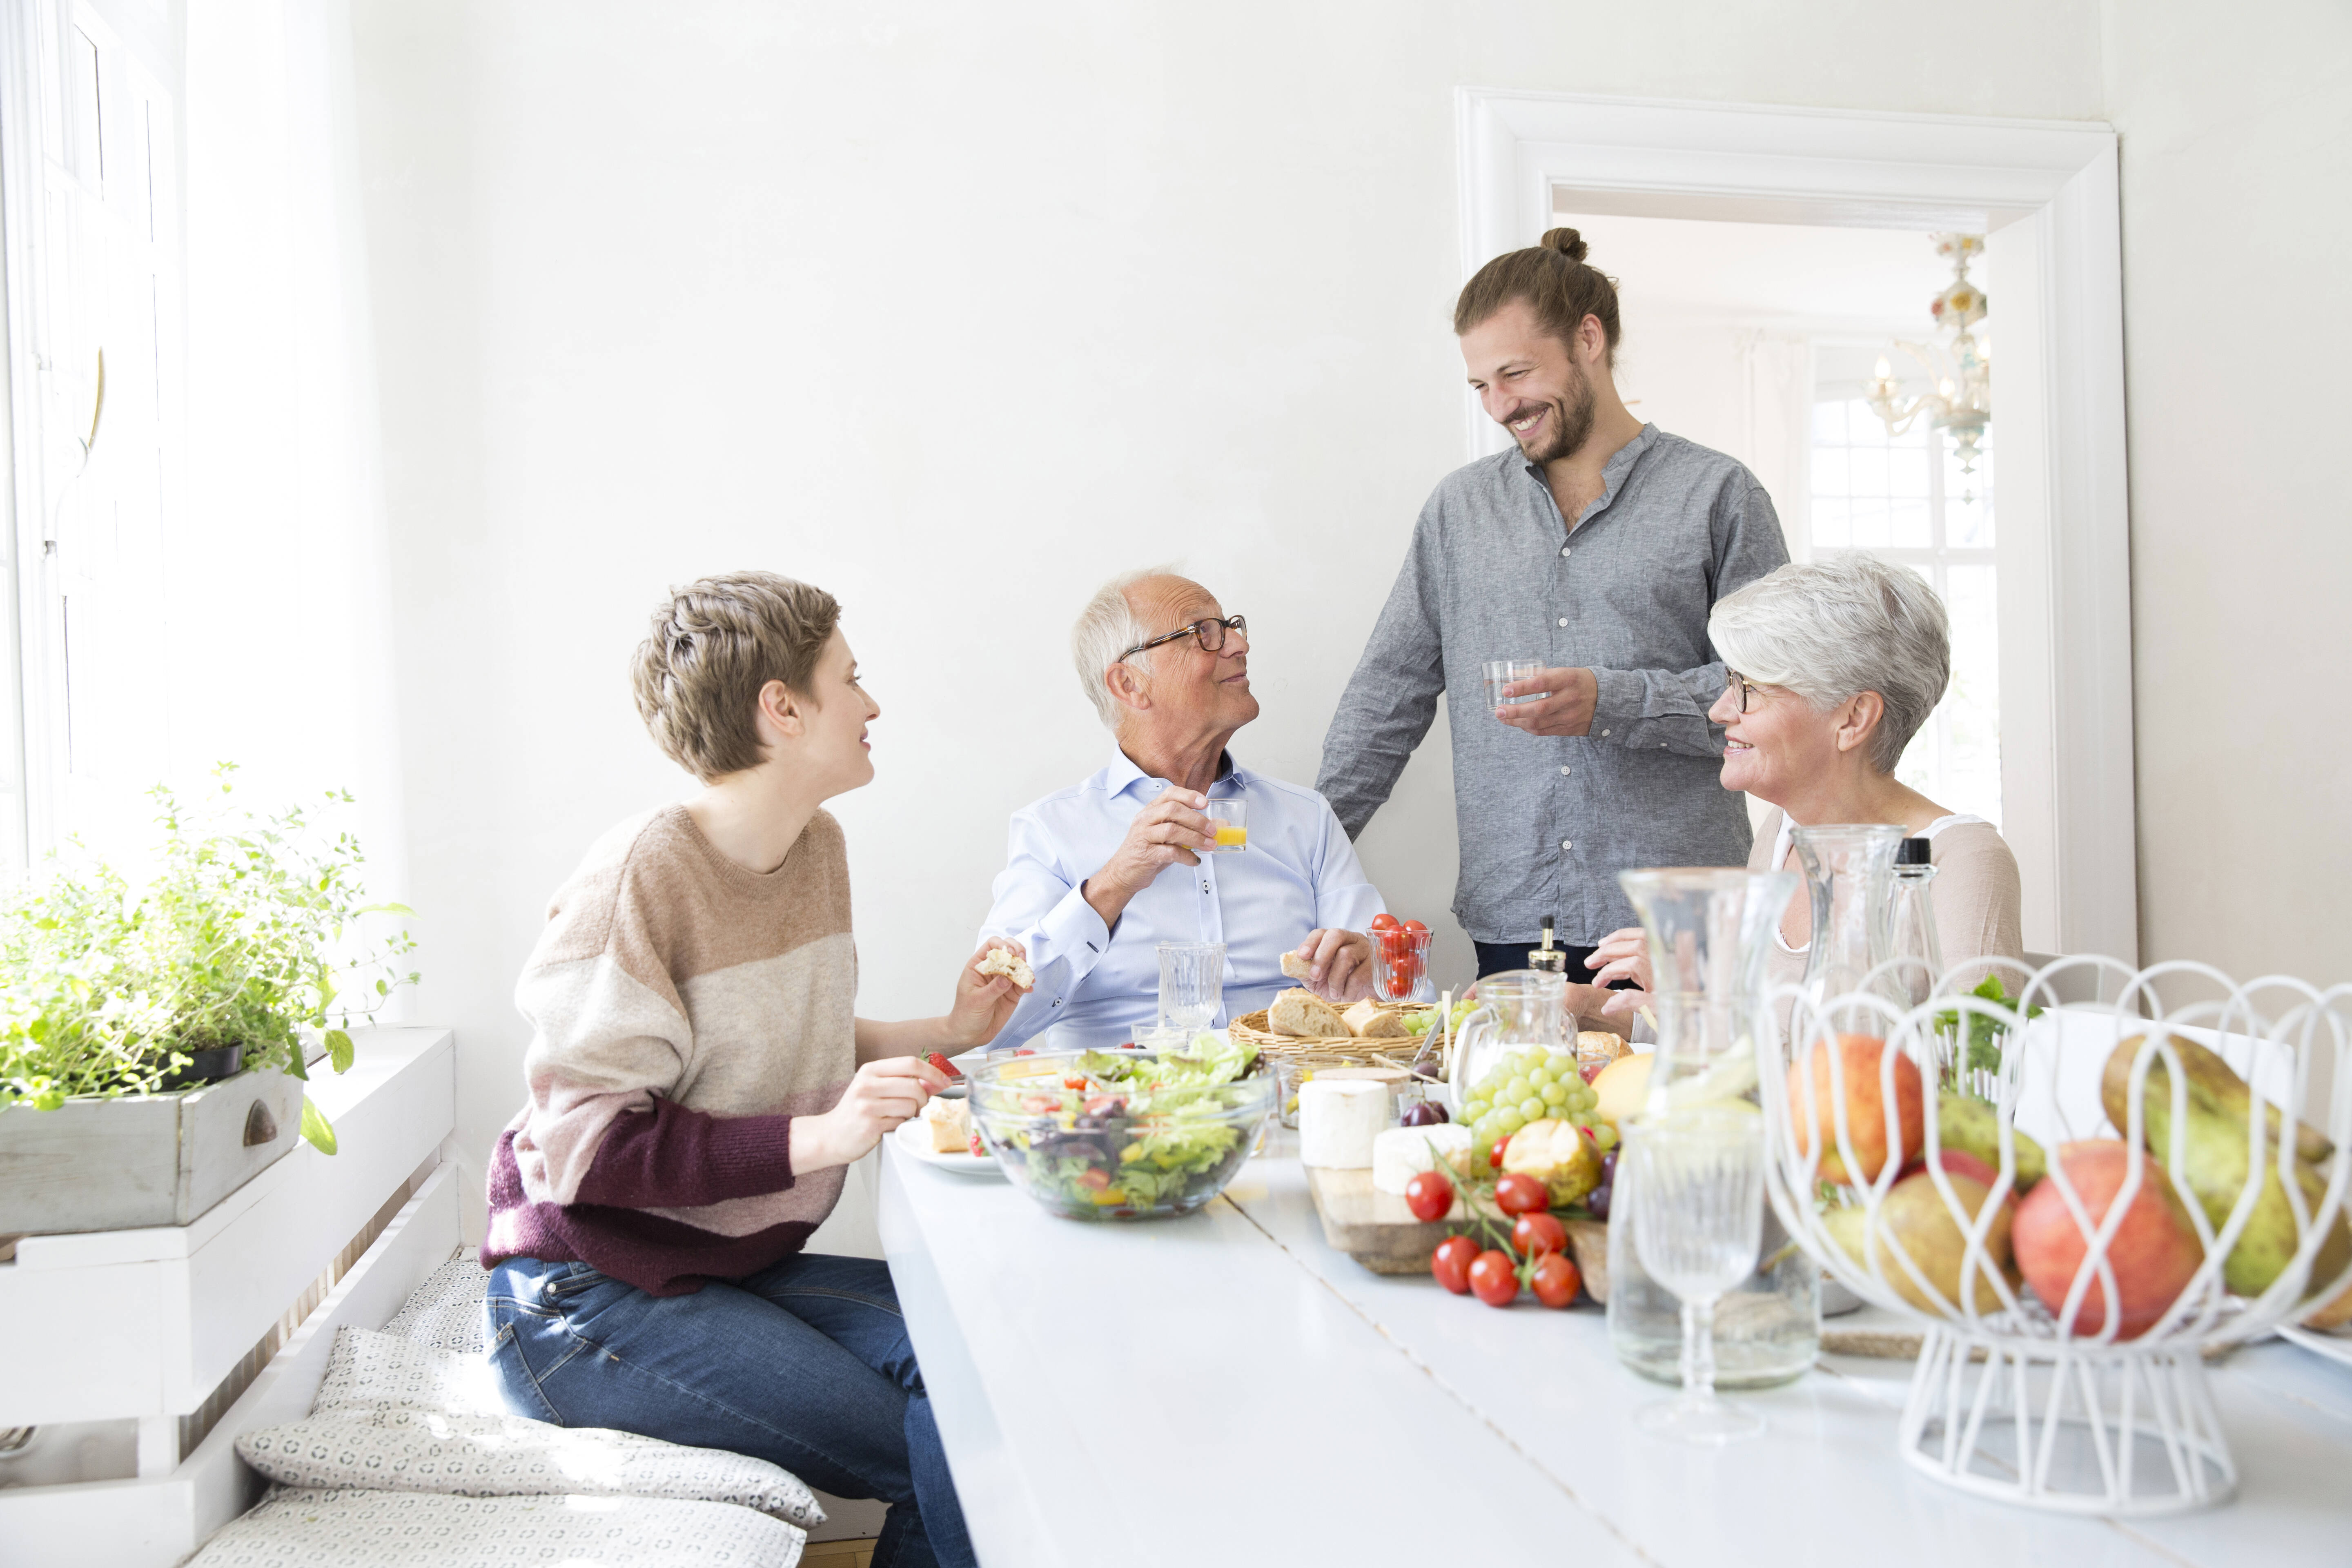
x=1229 y=820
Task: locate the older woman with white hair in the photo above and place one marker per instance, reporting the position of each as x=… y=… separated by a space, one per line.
x=1832 y=666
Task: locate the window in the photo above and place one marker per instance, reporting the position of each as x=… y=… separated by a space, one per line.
x=1904 y=499
x=90 y=174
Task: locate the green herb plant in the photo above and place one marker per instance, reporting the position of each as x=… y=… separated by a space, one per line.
x=108 y=987
x=1970 y=1065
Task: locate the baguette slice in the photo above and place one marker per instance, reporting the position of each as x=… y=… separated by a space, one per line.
x=1368 y=1020
x=950 y=1124
x=1296 y=967
x=1306 y=1015
x=1005 y=962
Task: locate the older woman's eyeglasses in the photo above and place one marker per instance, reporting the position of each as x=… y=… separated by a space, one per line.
x=1737 y=685
x=1211 y=633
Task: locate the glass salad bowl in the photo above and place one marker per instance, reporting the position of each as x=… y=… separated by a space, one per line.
x=1123 y=1134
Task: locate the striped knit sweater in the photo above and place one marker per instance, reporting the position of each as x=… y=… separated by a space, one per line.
x=683 y=1011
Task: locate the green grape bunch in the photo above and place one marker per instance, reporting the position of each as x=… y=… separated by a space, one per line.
x=1526 y=1085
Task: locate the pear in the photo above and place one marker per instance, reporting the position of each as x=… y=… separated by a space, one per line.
x=2217 y=1159
x=1916 y=1222
x=1970 y=1126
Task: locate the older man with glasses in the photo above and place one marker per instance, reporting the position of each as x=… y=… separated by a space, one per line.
x=1098 y=875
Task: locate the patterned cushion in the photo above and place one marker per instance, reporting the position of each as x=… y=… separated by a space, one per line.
x=351 y=1529
x=395 y=1416
x=446 y=1312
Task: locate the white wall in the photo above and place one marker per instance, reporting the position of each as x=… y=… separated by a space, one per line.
x=954 y=311
x=2237 y=216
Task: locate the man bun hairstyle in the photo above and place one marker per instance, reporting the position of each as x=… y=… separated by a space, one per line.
x=1552 y=277
x=713 y=646
x=1831 y=629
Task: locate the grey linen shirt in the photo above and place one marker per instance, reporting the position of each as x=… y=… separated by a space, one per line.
x=1547 y=821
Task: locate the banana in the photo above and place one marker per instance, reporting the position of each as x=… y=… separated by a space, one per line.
x=2216 y=1159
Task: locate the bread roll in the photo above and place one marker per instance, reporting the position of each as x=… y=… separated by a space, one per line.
x=1366 y=1020
x=1296 y=968
x=1306 y=1015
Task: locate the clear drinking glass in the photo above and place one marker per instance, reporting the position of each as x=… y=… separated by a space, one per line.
x=1700 y=1221
x=1400 y=966
x=1191 y=983
x=1229 y=820
x=1849 y=868
x=1502 y=672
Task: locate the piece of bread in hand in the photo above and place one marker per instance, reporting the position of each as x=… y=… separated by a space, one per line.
x=1368 y=1020
x=1306 y=1015
x=1012 y=965
x=1296 y=968
x=951 y=1123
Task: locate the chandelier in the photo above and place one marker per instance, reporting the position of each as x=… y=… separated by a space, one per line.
x=1959 y=365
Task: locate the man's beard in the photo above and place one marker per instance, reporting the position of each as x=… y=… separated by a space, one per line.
x=1570 y=421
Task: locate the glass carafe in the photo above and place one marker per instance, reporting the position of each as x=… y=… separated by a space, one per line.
x=1849 y=871
x=1707 y=931
x=1519 y=1009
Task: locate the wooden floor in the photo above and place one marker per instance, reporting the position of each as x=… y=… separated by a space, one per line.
x=837 y=1554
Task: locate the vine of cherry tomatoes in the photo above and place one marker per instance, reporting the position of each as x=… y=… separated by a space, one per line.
x=1493 y=1274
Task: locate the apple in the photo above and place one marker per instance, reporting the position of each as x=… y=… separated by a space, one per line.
x=1858 y=1059
x=2154 y=1252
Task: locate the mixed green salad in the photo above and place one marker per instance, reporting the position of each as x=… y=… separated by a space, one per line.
x=1118 y=1134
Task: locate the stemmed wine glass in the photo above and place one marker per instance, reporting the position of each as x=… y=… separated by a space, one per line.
x=1700 y=1221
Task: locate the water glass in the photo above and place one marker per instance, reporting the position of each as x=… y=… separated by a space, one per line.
x=1699 y=1196
x=1502 y=672
x=1191 y=983
x=1229 y=821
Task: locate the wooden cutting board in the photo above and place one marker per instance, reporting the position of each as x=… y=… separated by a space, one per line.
x=1379 y=1231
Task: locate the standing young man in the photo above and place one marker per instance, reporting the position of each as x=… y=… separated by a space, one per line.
x=1596 y=548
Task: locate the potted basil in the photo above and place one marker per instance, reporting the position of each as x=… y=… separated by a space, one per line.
x=156 y=1030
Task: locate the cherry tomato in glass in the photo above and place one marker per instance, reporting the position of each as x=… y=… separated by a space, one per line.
x=1518 y=1192
x=1451 y=1263
x=1429 y=1196
x=1538 y=1233
x=1417 y=928
x=1494 y=1279
x=1384 y=922
x=1556 y=1279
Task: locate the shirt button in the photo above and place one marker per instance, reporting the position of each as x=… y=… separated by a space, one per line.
x=1604 y=732
x=1565 y=843
x=1563 y=620
x=1563 y=772
x=1563 y=550
x=1204 y=886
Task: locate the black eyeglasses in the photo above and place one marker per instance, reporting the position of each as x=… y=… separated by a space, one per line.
x=1211 y=633
x=1735 y=681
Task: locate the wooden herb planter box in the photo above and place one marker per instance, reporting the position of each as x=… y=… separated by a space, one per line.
x=163 y=1159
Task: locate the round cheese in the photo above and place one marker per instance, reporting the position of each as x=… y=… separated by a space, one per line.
x=1400 y=1153
x=1338 y=1119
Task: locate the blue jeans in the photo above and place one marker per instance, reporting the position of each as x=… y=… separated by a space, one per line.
x=805 y=1365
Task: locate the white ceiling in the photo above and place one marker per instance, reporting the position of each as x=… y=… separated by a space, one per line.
x=1768 y=269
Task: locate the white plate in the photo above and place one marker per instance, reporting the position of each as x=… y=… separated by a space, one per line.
x=915 y=1142
x=2332 y=1343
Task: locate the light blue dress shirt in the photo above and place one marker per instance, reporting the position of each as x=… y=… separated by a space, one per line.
x=1097 y=986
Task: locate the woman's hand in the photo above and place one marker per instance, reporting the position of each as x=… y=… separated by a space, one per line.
x=1622 y=956
x=1339 y=964
x=882 y=1095
x=982 y=1002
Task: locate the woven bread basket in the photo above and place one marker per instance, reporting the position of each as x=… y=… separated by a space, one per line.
x=1332 y=1050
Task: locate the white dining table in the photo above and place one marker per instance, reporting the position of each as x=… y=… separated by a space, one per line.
x=1226 y=1389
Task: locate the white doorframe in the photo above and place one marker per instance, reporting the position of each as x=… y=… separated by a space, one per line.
x=2045 y=192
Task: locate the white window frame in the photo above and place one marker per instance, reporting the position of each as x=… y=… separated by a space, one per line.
x=2045 y=192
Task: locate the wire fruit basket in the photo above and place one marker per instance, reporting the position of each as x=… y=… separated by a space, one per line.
x=2076 y=1203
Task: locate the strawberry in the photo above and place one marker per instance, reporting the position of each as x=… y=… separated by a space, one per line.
x=947 y=1068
